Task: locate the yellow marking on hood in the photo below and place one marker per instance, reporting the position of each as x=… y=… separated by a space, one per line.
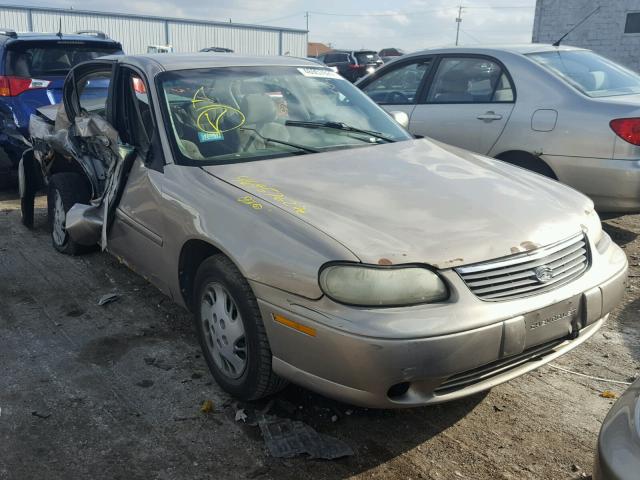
x=272 y=193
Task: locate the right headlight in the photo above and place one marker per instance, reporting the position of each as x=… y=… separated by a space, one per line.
x=382 y=286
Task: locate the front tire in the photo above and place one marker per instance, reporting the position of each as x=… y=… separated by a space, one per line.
x=231 y=333
x=65 y=190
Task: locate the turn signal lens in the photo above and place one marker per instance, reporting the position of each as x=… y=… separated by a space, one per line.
x=627 y=129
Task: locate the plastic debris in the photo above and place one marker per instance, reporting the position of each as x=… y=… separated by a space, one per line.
x=287 y=438
x=207 y=406
x=241 y=416
x=608 y=394
x=108 y=298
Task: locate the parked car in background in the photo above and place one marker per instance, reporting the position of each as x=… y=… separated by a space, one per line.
x=159 y=49
x=389 y=54
x=217 y=50
x=563 y=112
x=618 y=453
x=352 y=64
x=32 y=70
x=312 y=237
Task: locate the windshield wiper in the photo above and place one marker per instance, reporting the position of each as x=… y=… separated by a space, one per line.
x=302 y=148
x=337 y=126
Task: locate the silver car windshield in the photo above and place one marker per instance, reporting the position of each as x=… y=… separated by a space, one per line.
x=590 y=73
x=236 y=114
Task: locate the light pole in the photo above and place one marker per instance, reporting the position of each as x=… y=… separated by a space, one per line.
x=458 y=22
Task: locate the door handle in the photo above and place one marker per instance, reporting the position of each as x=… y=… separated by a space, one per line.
x=489 y=116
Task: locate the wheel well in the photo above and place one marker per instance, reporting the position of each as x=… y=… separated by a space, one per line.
x=193 y=253
x=528 y=161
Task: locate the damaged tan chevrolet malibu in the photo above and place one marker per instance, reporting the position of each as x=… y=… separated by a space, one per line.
x=314 y=240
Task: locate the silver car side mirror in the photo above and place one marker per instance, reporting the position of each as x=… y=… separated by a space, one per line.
x=401 y=117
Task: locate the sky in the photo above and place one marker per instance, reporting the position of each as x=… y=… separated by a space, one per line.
x=375 y=24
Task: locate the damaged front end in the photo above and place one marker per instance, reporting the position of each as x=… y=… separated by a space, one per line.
x=89 y=146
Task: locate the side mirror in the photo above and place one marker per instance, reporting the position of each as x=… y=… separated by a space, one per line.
x=401 y=117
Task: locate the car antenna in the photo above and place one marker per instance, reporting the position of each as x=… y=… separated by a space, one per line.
x=60 y=29
x=557 y=42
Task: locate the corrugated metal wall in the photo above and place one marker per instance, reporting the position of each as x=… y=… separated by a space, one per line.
x=137 y=32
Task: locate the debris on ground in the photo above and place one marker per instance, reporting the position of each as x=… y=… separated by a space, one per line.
x=575 y=468
x=44 y=416
x=207 y=406
x=108 y=298
x=287 y=438
x=241 y=416
x=334 y=418
x=155 y=362
x=608 y=394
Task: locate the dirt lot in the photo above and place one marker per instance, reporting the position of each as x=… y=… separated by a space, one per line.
x=114 y=391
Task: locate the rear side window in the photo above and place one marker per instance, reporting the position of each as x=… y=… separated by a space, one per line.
x=470 y=80
x=367 y=57
x=42 y=59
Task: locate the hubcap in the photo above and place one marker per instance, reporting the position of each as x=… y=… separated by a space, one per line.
x=224 y=330
x=59 y=219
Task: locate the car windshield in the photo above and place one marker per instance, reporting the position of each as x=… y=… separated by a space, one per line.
x=590 y=73
x=53 y=58
x=238 y=114
x=367 y=57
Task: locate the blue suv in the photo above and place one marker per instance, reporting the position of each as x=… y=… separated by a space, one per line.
x=33 y=67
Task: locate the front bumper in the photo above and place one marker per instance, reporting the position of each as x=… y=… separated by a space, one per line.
x=429 y=354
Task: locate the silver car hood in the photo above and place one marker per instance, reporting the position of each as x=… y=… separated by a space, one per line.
x=414 y=201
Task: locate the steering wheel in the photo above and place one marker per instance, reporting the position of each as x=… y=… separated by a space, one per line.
x=397 y=97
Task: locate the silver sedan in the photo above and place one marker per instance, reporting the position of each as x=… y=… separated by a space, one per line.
x=564 y=112
x=314 y=240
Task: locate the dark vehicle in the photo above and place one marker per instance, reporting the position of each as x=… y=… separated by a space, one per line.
x=618 y=454
x=217 y=50
x=352 y=64
x=33 y=67
x=388 y=54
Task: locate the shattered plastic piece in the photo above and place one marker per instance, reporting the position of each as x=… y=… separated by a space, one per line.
x=286 y=438
x=240 y=415
x=108 y=298
x=207 y=406
x=608 y=394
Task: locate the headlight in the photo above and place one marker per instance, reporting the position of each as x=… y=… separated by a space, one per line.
x=593 y=226
x=375 y=286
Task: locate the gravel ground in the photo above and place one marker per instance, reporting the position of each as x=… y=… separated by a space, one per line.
x=115 y=391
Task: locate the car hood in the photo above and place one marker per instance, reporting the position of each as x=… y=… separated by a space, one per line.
x=414 y=201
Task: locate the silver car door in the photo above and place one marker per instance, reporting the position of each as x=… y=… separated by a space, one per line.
x=468 y=103
x=397 y=87
x=136 y=234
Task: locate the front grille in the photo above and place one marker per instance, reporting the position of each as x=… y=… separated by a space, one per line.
x=485 y=372
x=524 y=274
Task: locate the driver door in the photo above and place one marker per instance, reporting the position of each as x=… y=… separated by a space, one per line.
x=397 y=88
x=137 y=233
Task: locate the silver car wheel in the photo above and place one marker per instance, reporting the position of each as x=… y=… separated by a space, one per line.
x=224 y=331
x=59 y=220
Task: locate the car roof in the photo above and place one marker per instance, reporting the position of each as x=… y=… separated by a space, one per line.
x=521 y=49
x=33 y=36
x=187 y=61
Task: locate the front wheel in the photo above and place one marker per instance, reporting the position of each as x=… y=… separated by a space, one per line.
x=231 y=333
x=65 y=190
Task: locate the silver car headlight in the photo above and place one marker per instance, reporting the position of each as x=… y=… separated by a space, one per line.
x=382 y=286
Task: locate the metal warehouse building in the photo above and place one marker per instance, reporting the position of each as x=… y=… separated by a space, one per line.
x=136 y=32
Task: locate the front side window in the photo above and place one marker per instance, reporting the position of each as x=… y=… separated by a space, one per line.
x=400 y=85
x=591 y=74
x=237 y=114
x=367 y=58
x=93 y=90
x=42 y=59
x=470 y=80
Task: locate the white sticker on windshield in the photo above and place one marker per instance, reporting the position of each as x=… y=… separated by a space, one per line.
x=318 y=72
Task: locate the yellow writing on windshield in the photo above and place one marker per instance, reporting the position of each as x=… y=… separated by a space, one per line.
x=210 y=114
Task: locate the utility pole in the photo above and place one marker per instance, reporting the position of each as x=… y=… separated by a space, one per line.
x=306 y=14
x=458 y=22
